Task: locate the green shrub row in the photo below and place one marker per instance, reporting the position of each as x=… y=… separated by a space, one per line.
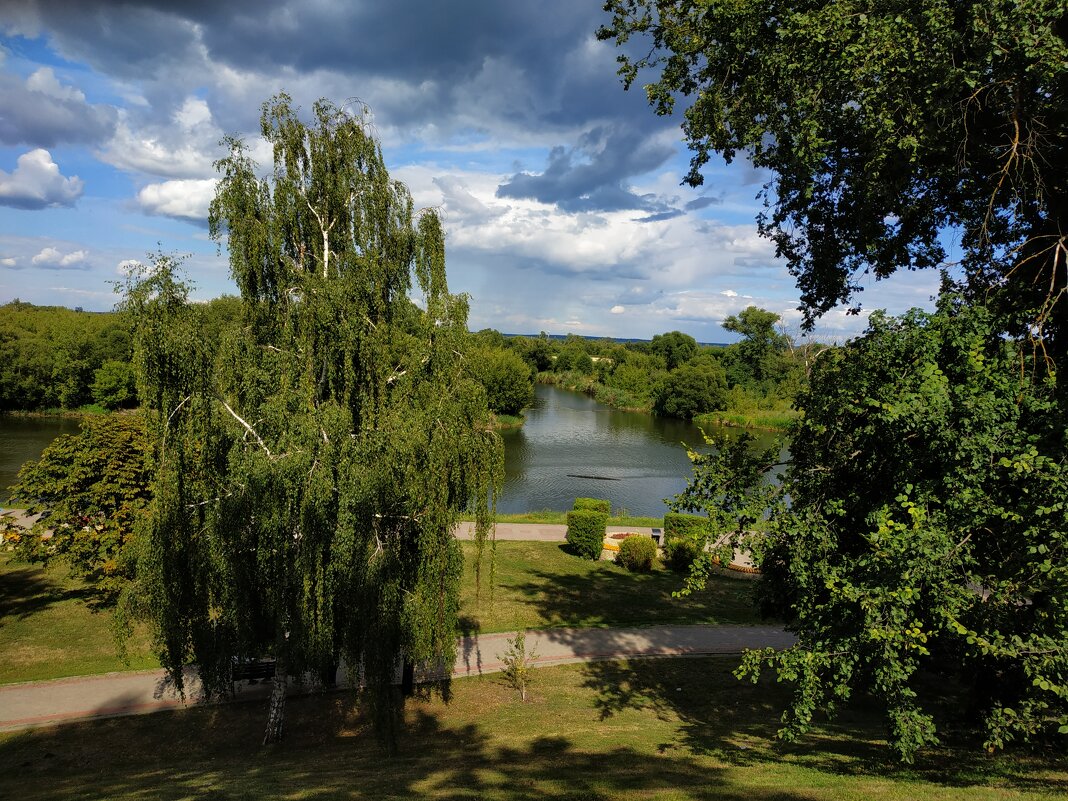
x=680 y=526
x=596 y=504
x=585 y=532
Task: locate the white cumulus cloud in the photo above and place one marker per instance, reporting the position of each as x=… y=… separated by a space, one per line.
x=52 y=259
x=184 y=200
x=617 y=309
x=36 y=183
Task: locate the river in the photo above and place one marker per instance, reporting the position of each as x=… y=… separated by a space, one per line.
x=570 y=446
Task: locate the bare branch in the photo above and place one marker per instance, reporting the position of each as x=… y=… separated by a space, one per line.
x=241 y=420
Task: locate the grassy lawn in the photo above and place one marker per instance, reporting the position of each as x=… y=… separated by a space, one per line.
x=540 y=585
x=49 y=629
x=656 y=729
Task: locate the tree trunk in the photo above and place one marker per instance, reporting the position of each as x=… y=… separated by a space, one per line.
x=408 y=679
x=277 y=708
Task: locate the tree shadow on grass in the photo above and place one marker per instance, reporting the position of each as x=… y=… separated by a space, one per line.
x=331 y=753
x=607 y=595
x=736 y=722
x=27 y=590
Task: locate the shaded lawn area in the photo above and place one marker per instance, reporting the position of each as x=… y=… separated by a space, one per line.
x=49 y=627
x=541 y=585
x=655 y=729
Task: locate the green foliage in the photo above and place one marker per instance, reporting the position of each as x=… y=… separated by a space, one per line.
x=309 y=472
x=597 y=504
x=674 y=347
x=681 y=553
x=114 y=385
x=519 y=663
x=692 y=389
x=924 y=531
x=91 y=489
x=49 y=355
x=883 y=124
x=682 y=526
x=637 y=554
x=506 y=378
x=755 y=360
x=585 y=532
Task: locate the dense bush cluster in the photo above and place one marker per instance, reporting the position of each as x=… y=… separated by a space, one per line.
x=637 y=554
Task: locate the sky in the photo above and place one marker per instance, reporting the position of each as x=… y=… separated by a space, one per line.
x=561 y=193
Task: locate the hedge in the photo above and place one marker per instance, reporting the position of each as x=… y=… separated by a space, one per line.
x=596 y=504
x=689 y=527
x=637 y=553
x=585 y=532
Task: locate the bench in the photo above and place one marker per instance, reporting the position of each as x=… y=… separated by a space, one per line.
x=252 y=670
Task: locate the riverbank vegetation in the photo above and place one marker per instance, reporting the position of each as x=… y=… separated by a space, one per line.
x=750 y=384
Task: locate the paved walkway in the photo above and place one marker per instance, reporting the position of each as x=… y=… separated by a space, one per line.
x=138 y=692
x=537 y=532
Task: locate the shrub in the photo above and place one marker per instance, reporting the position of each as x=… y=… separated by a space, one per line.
x=585 y=532
x=596 y=504
x=637 y=553
x=679 y=526
x=681 y=553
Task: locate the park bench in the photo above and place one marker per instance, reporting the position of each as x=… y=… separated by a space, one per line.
x=251 y=670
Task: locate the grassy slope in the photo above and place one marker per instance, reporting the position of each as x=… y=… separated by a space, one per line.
x=657 y=729
x=539 y=585
x=48 y=628
x=48 y=631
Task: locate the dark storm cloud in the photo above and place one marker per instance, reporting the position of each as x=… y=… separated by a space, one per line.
x=592 y=175
x=41 y=113
x=535 y=63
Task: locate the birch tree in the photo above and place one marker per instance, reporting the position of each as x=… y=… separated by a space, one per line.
x=309 y=471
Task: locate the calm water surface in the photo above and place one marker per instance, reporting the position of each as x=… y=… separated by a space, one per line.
x=23 y=438
x=571 y=446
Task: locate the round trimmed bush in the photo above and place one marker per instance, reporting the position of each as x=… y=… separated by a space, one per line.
x=681 y=554
x=637 y=553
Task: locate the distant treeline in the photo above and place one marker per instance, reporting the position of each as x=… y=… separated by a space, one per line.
x=751 y=383
x=53 y=358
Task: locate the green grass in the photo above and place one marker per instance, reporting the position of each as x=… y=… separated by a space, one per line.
x=508 y=421
x=762 y=419
x=49 y=629
x=540 y=585
x=658 y=729
x=560 y=518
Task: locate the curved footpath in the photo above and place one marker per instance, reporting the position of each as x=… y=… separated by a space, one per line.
x=139 y=692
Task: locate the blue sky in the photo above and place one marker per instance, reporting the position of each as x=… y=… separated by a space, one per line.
x=561 y=192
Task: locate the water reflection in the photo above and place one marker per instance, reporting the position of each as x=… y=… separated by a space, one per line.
x=571 y=446
x=23 y=438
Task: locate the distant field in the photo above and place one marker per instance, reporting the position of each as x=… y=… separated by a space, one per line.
x=677 y=729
